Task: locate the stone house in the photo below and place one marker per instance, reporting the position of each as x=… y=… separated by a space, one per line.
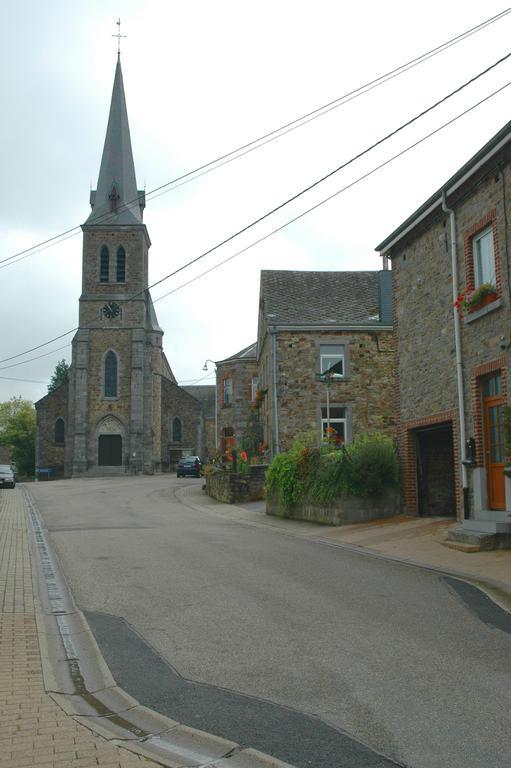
x=237 y=383
x=122 y=409
x=316 y=327
x=205 y=394
x=453 y=368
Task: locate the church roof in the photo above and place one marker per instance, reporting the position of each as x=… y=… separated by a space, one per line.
x=116 y=200
x=151 y=320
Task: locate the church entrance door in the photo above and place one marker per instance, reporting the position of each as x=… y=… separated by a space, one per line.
x=110 y=450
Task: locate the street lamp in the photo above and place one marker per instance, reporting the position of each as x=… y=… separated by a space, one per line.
x=326 y=378
x=205 y=368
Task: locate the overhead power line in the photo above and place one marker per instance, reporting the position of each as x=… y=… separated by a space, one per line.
x=335 y=194
x=287 y=223
x=28 y=381
x=270 y=136
x=38 y=357
x=328 y=175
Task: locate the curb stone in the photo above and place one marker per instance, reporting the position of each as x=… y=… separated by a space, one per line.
x=78 y=679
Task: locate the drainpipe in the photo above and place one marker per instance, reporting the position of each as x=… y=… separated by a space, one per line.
x=275 y=408
x=459 y=360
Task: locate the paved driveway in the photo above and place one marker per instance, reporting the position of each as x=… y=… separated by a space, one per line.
x=403 y=660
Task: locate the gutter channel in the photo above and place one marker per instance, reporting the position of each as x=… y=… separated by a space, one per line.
x=77 y=678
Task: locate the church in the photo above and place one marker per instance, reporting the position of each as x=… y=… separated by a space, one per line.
x=122 y=410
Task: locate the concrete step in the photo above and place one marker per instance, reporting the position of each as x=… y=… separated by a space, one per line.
x=494 y=515
x=487 y=526
x=473 y=540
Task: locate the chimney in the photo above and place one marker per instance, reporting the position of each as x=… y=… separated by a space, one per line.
x=385 y=296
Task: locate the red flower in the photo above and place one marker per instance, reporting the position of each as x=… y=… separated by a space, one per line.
x=244 y=455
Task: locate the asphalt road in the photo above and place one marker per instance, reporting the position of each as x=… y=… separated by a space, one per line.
x=208 y=614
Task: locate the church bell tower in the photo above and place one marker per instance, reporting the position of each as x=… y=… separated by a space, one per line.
x=117 y=360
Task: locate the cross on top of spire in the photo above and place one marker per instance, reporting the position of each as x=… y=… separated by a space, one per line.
x=118 y=36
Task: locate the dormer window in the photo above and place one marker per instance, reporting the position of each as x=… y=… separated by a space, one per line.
x=113 y=197
x=104 y=265
x=121 y=265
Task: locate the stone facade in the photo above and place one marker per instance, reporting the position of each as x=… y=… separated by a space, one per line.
x=427 y=392
x=366 y=392
x=235 y=399
x=182 y=425
x=289 y=352
x=50 y=439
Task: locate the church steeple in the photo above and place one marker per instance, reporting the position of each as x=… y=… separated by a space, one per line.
x=116 y=200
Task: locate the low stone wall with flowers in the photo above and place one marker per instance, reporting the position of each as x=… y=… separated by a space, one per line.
x=233 y=487
x=343 y=511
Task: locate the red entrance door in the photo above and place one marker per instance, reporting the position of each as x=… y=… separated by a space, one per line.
x=494 y=445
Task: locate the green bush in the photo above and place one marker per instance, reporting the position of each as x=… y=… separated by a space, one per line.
x=321 y=474
x=371 y=466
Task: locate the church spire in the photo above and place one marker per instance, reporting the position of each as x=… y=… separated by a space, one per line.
x=116 y=200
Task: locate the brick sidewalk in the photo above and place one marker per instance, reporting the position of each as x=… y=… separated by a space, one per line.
x=34 y=731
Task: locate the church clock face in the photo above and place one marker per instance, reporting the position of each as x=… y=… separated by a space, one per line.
x=111 y=310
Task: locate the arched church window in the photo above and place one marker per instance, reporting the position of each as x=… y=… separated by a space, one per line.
x=110 y=378
x=121 y=264
x=60 y=432
x=104 y=265
x=177 y=434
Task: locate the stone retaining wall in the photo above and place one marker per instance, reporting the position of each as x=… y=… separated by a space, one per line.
x=343 y=511
x=233 y=487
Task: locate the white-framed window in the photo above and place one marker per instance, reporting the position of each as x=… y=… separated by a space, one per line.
x=332 y=360
x=484 y=258
x=335 y=418
x=227 y=396
x=254 y=387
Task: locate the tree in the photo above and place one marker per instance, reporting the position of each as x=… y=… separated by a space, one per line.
x=60 y=376
x=17 y=432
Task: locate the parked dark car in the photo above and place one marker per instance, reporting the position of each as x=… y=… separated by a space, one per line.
x=7 y=478
x=189 y=466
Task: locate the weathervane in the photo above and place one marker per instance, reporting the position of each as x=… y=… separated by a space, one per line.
x=118 y=36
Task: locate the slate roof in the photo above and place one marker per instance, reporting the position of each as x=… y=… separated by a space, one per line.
x=117 y=167
x=205 y=394
x=319 y=298
x=244 y=354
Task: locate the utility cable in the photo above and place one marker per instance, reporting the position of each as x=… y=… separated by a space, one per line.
x=272 y=135
x=28 y=381
x=335 y=194
x=38 y=357
x=287 y=223
x=326 y=176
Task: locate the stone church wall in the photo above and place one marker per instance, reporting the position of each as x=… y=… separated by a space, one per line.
x=175 y=402
x=50 y=408
x=101 y=341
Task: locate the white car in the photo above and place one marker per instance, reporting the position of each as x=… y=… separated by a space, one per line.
x=7 y=479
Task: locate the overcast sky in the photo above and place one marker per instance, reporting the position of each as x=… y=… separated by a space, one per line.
x=201 y=79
